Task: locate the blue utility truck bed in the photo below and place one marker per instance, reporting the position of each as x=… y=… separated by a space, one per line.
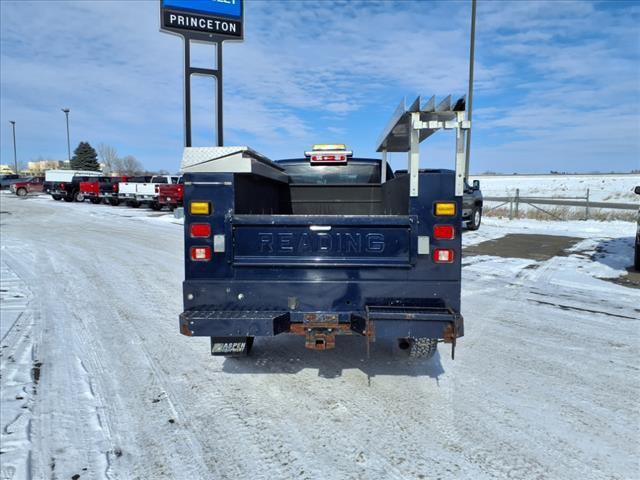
x=319 y=249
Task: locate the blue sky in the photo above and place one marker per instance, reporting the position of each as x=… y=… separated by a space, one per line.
x=557 y=83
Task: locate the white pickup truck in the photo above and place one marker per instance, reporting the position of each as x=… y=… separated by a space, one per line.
x=143 y=190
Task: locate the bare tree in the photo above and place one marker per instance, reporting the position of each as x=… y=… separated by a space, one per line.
x=130 y=166
x=109 y=156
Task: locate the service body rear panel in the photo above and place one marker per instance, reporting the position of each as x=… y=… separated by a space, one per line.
x=270 y=273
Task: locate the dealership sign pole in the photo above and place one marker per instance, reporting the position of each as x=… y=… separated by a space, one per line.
x=207 y=21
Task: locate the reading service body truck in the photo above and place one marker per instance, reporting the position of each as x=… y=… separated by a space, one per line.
x=328 y=244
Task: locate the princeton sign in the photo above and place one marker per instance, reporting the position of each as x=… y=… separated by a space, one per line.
x=215 y=19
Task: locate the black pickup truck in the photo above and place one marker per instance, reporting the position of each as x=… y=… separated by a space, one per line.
x=472 y=205
x=65 y=184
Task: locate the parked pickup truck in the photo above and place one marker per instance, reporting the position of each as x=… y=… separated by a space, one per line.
x=171 y=194
x=109 y=190
x=90 y=189
x=65 y=184
x=102 y=188
x=472 y=205
x=137 y=193
x=32 y=185
x=327 y=244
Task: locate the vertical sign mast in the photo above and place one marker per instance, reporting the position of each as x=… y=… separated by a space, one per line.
x=211 y=21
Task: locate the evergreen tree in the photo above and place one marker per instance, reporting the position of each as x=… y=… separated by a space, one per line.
x=85 y=158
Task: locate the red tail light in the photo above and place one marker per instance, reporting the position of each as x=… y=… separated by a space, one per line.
x=200 y=254
x=444 y=232
x=443 y=255
x=200 y=230
x=62 y=186
x=115 y=188
x=328 y=158
x=157 y=189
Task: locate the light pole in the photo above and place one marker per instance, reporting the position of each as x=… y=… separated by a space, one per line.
x=66 y=112
x=15 y=154
x=472 y=45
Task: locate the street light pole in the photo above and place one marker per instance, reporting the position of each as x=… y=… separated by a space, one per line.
x=472 y=45
x=15 y=154
x=66 y=112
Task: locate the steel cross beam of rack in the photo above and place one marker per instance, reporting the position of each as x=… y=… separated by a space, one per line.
x=410 y=126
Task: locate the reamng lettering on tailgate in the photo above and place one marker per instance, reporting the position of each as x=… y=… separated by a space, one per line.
x=299 y=245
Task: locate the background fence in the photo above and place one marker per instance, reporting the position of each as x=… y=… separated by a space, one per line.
x=516 y=200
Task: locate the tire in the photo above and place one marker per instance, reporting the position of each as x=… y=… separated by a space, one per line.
x=155 y=206
x=114 y=202
x=95 y=201
x=56 y=197
x=421 y=347
x=78 y=197
x=475 y=219
x=21 y=192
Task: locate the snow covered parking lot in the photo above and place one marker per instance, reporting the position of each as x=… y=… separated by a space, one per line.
x=97 y=381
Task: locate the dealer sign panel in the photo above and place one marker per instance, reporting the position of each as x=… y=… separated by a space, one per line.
x=220 y=19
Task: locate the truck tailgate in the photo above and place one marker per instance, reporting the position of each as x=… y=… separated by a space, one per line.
x=322 y=240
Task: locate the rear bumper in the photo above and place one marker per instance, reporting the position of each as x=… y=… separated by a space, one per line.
x=169 y=200
x=377 y=322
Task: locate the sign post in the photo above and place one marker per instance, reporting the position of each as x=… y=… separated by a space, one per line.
x=207 y=21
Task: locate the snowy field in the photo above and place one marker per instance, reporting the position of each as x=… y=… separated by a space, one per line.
x=602 y=188
x=96 y=381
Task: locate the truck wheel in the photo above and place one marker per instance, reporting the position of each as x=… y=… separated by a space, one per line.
x=231 y=346
x=475 y=219
x=95 y=201
x=78 y=197
x=155 y=206
x=114 y=202
x=419 y=347
x=22 y=192
x=56 y=197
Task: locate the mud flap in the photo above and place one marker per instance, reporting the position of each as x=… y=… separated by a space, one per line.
x=231 y=346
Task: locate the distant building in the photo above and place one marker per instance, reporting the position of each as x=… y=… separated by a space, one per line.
x=6 y=170
x=41 y=166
